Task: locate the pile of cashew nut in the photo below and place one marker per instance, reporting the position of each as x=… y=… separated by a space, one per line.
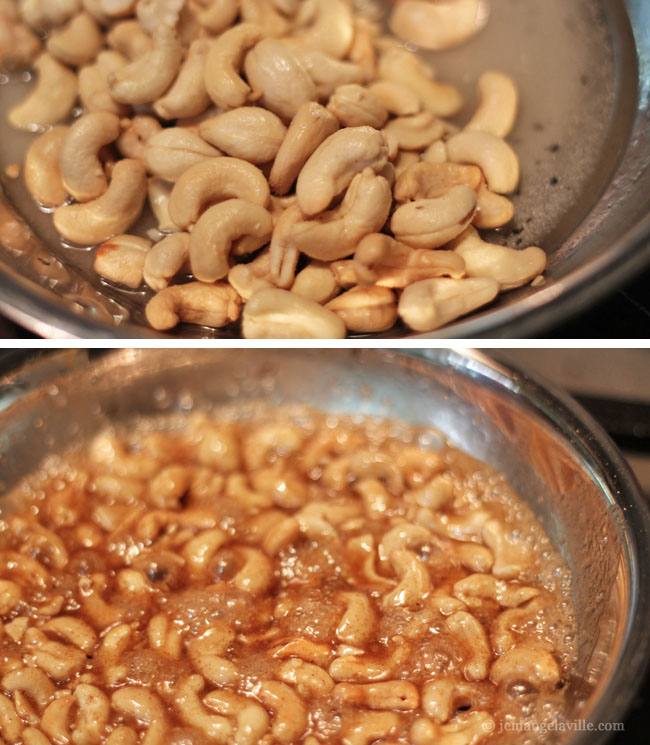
x=299 y=163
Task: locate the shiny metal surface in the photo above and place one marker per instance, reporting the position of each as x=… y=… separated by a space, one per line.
x=554 y=456
x=583 y=137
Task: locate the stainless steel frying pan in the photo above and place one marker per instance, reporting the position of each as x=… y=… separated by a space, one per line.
x=583 y=137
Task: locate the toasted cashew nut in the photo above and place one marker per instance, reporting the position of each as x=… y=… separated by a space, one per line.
x=473 y=589
x=10 y=596
x=435 y=153
x=51 y=100
x=222 y=78
x=146 y=707
x=42 y=172
x=535 y=666
x=311 y=125
x=414 y=580
x=365 y=727
x=310 y=680
x=11 y=726
x=498 y=108
x=426 y=180
x=466 y=729
x=431 y=303
x=81 y=169
x=502 y=636
x=464 y=626
x=167 y=257
x=218 y=228
x=398 y=99
x=397 y=695
x=316 y=282
x=252 y=719
x=279 y=314
x=249 y=132
x=492 y=210
x=366 y=309
x=190 y=708
x=400 y=537
x=496 y=158
x=206 y=654
x=149 y=76
x=381 y=260
x=336 y=234
x=112 y=213
x=94 y=709
x=430 y=223
x=256 y=575
x=334 y=163
x=76 y=43
x=215 y=180
x=357 y=623
x=438 y=25
x=93 y=84
x=510 y=267
x=333 y=29
x=212 y=305
x=355 y=106
x=441 y=698
x=274 y=71
x=121 y=259
x=415 y=132
x=217 y=15
x=187 y=96
x=122 y=736
x=174 y=150
x=511 y=557
x=405 y=68
x=32 y=682
x=291 y=719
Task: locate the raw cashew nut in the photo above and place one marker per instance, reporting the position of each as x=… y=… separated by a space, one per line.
x=222 y=78
x=334 y=164
x=430 y=223
x=535 y=666
x=129 y=39
x=216 y=16
x=51 y=100
x=112 y=213
x=265 y=15
x=510 y=267
x=94 y=92
x=218 y=228
x=122 y=259
x=42 y=172
x=167 y=257
x=498 y=108
x=274 y=71
x=249 y=132
x=332 y=30
x=316 y=282
x=213 y=181
x=355 y=106
x=415 y=132
x=159 y=192
x=327 y=73
x=311 y=126
x=431 y=303
x=205 y=305
x=438 y=25
x=187 y=96
x=19 y=45
x=493 y=155
x=78 y=42
x=172 y=151
x=367 y=310
x=149 y=76
x=41 y=14
x=425 y=180
x=81 y=169
x=279 y=314
x=492 y=210
x=247 y=279
x=137 y=132
x=284 y=252
x=398 y=99
x=469 y=630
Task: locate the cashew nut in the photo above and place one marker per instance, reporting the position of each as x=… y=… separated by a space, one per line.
x=217 y=15
x=400 y=695
x=81 y=169
x=334 y=163
x=247 y=279
x=51 y=100
x=327 y=73
x=498 y=108
x=252 y=719
x=310 y=680
x=316 y=282
x=42 y=172
x=425 y=180
x=362 y=52
x=366 y=727
x=129 y=39
x=42 y=14
x=355 y=106
x=122 y=259
x=493 y=155
x=284 y=252
x=93 y=83
x=535 y=666
x=279 y=314
x=172 y=151
x=136 y=133
x=474 y=589
x=366 y=309
x=435 y=25
x=398 y=99
x=206 y=654
x=415 y=132
x=213 y=181
x=265 y=15
x=187 y=96
x=492 y=210
x=112 y=213
x=469 y=630
x=511 y=556
x=205 y=305
x=332 y=30
x=19 y=46
x=291 y=717
x=76 y=43
x=249 y=132
x=441 y=698
x=431 y=303
x=158 y=193
x=357 y=623
x=414 y=580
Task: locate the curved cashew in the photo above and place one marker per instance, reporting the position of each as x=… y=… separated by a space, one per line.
x=94 y=710
x=361 y=550
x=438 y=25
x=41 y=14
x=130 y=39
x=215 y=180
x=355 y=106
x=414 y=580
x=415 y=132
x=510 y=267
x=435 y=494
x=498 y=108
x=93 y=84
x=310 y=680
x=477 y=587
x=167 y=257
x=249 y=132
x=10 y=596
x=247 y=279
x=190 y=708
x=252 y=719
x=496 y=158
x=502 y=636
x=318 y=654
x=149 y=76
x=51 y=100
x=535 y=666
x=327 y=73
x=32 y=682
x=122 y=736
x=401 y=537
x=426 y=180
x=11 y=726
x=206 y=654
x=291 y=718
x=441 y=698
x=137 y=132
x=174 y=150
x=216 y=16
x=471 y=633
x=466 y=729
x=365 y=727
x=317 y=519
x=112 y=213
x=357 y=623
x=81 y=169
x=257 y=575
x=279 y=314
x=187 y=96
x=381 y=260
x=397 y=99
x=198 y=551
x=283 y=251
x=334 y=163
x=19 y=45
x=362 y=52
x=397 y=695
x=366 y=310
x=78 y=42
x=275 y=71
x=405 y=68
x=73 y=630
x=511 y=557
x=202 y=304
x=316 y=282
x=222 y=78
x=341 y=471
x=430 y=223
x=311 y=125
x=218 y=228
x=42 y=172
x=492 y=210
x=265 y=15
x=332 y=30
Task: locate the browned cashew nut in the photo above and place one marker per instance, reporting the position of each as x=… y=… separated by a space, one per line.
x=217 y=229
x=205 y=305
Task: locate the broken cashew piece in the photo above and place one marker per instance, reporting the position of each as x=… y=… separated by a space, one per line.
x=121 y=259
x=492 y=154
x=213 y=305
x=438 y=25
x=498 y=108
